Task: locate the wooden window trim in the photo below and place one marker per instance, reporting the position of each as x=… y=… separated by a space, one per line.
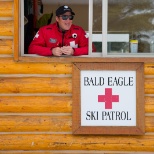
x=19 y=58
x=16 y=30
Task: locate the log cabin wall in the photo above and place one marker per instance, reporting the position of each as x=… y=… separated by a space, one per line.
x=36 y=106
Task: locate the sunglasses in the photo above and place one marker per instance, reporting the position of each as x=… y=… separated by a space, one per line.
x=65 y=17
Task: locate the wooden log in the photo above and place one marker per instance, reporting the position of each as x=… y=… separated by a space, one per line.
x=51 y=152
x=6 y=9
x=6 y=46
x=149 y=68
x=149 y=104
x=35 y=85
x=35 y=104
x=60 y=68
x=66 y=152
x=6 y=27
x=35 y=123
x=55 y=152
x=50 y=123
x=8 y=66
x=76 y=142
x=149 y=123
x=149 y=86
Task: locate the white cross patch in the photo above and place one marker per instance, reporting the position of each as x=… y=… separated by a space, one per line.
x=37 y=35
x=73 y=45
x=86 y=36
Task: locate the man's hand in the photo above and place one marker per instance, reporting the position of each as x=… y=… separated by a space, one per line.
x=67 y=50
x=57 y=51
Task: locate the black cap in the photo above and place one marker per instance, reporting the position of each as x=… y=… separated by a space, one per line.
x=63 y=9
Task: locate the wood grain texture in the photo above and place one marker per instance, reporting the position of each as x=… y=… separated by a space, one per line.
x=75 y=142
x=35 y=85
x=6 y=9
x=6 y=28
x=41 y=68
x=149 y=104
x=63 y=152
x=73 y=59
x=34 y=123
x=35 y=104
x=149 y=122
x=8 y=66
x=48 y=123
x=6 y=46
x=149 y=86
x=51 y=115
x=149 y=68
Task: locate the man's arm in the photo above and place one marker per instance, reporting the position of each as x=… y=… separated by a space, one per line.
x=38 y=45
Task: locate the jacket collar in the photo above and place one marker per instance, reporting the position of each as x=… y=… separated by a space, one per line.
x=60 y=30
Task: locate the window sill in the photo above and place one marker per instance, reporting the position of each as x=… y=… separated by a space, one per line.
x=87 y=59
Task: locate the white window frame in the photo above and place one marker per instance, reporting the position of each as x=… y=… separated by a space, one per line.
x=104 y=34
x=22 y=27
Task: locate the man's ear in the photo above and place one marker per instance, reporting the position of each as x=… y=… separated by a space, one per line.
x=57 y=19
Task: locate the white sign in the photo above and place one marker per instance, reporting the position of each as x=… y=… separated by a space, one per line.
x=108 y=98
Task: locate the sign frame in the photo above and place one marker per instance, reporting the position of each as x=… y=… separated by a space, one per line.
x=139 y=129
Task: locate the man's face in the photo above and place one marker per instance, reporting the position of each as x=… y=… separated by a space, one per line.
x=64 y=24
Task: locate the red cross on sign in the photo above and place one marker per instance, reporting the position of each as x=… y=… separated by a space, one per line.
x=108 y=98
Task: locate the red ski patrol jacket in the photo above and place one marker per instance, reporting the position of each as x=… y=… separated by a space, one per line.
x=50 y=36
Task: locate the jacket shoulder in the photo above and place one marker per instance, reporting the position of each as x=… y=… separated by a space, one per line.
x=48 y=27
x=75 y=27
x=78 y=29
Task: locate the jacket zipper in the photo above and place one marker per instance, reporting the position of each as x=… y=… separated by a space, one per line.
x=63 y=38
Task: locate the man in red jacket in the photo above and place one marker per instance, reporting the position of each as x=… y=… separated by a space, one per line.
x=61 y=37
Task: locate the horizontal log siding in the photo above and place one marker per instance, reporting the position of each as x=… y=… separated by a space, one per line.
x=33 y=123
x=48 y=123
x=149 y=86
x=149 y=104
x=6 y=9
x=75 y=142
x=6 y=46
x=6 y=28
x=149 y=69
x=8 y=66
x=36 y=105
x=48 y=114
x=35 y=85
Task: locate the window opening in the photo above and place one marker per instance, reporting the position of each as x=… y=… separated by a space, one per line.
x=35 y=10
x=116 y=28
x=131 y=23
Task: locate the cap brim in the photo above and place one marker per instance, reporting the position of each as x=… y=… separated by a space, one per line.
x=73 y=13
